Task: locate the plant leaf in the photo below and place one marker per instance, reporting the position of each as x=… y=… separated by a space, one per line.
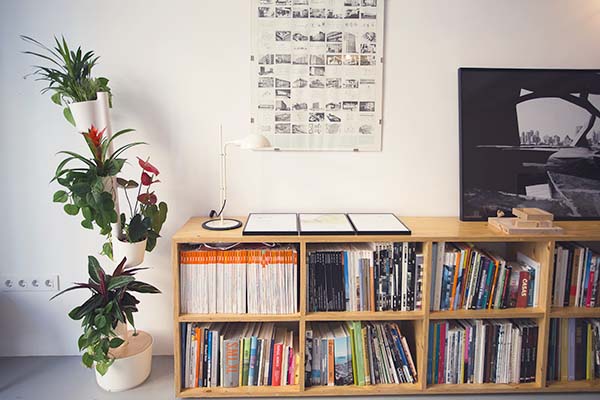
x=68 y=115
x=71 y=209
x=94 y=269
x=142 y=287
x=60 y=196
x=116 y=342
x=118 y=282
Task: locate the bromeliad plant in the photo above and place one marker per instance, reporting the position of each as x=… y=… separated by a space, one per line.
x=68 y=75
x=111 y=302
x=87 y=186
x=146 y=216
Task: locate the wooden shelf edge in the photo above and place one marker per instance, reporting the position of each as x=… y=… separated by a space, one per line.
x=483 y=388
x=239 y=317
x=364 y=316
x=574 y=312
x=402 y=388
x=534 y=312
x=254 y=391
x=592 y=385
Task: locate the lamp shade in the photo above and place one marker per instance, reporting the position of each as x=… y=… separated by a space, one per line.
x=253 y=141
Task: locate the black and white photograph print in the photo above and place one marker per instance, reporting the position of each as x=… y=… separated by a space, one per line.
x=283 y=36
x=266 y=82
x=281 y=105
x=283 y=12
x=265 y=12
x=287 y=93
x=262 y=70
x=316 y=84
x=300 y=2
x=368 y=13
x=299 y=12
x=283 y=2
x=300 y=83
x=316 y=71
x=300 y=59
x=266 y=59
x=335 y=36
x=265 y=2
x=369 y=37
x=299 y=129
x=333 y=118
x=352 y=3
x=530 y=138
x=367 y=48
x=299 y=37
x=334 y=59
x=351 y=84
x=282 y=83
x=366 y=106
x=318 y=12
x=333 y=83
x=283 y=58
x=282 y=128
x=335 y=13
x=300 y=106
x=369 y=3
x=350 y=43
x=316 y=117
x=335 y=48
x=351 y=59
x=367 y=60
x=366 y=129
x=317 y=36
x=317 y=59
x=350 y=105
x=333 y=106
x=314 y=129
x=282 y=117
x=352 y=13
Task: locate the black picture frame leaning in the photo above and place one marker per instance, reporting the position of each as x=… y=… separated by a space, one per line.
x=358 y=231
x=504 y=164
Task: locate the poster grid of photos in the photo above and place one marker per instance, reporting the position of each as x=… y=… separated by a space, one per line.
x=318 y=73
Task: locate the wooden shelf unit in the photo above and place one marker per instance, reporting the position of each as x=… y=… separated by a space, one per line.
x=425 y=230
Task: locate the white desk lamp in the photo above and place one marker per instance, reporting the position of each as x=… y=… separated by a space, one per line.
x=252 y=141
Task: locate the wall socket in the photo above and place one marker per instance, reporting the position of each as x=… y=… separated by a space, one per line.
x=29 y=283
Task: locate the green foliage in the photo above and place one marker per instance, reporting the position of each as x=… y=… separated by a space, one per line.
x=67 y=73
x=110 y=303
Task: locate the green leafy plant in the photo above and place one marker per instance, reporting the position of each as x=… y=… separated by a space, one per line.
x=85 y=190
x=111 y=302
x=68 y=74
x=146 y=216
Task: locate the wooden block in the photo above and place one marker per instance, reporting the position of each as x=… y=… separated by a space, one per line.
x=526 y=224
x=509 y=226
x=533 y=214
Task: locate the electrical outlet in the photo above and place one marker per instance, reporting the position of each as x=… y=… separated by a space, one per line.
x=29 y=283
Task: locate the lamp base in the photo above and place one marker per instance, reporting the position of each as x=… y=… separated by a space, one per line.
x=224 y=225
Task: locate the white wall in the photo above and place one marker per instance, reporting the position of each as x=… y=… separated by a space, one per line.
x=180 y=68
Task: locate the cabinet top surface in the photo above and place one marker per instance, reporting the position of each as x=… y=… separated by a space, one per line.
x=423 y=229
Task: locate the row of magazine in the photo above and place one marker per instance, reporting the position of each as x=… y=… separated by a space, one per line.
x=255 y=279
x=357 y=353
x=364 y=277
x=465 y=277
x=238 y=354
x=478 y=351
x=576 y=272
x=574 y=349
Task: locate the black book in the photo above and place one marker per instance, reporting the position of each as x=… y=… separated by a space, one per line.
x=397 y=274
x=580 y=348
x=533 y=351
x=411 y=276
x=397 y=359
x=494 y=352
x=569 y=275
x=205 y=359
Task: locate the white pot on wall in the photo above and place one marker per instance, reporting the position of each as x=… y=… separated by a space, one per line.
x=132 y=365
x=133 y=251
x=93 y=112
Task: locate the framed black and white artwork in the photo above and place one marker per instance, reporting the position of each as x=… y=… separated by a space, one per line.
x=529 y=138
x=317 y=70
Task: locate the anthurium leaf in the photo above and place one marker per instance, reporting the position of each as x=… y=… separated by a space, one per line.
x=60 y=196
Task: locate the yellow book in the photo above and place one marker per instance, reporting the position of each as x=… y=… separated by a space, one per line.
x=366 y=356
x=564 y=349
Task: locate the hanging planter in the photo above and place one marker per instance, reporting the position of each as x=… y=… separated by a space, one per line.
x=133 y=252
x=92 y=112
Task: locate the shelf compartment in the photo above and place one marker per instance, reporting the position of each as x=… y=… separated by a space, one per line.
x=401 y=388
x=364 y=315
x=574 y=386
x=238 y=317
x=575 y=312
x=483 y=387
x=241 y=391
x=531 y=312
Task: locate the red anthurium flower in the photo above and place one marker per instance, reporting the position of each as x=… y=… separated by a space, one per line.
x=147 y=179
x=95 y=136
x=146 y=166
x=147 y=198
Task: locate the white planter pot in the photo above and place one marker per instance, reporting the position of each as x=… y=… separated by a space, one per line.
x=132 y=364
x=93 y=112
x=133 y=251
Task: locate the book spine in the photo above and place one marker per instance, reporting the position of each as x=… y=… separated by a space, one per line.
x=277 y=361
x=522 y=289
x=232 y=363
x=252 y=362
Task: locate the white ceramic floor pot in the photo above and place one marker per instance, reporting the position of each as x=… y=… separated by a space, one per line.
x=132 y=365
x=133 y=251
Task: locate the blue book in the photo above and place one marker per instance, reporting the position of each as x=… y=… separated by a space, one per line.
x=270 y=378
x=346 y=281
x=586 y=275
x=342 y=360
x=209 y=371
x=252 y=369
x=447 y=277
x=434 y=268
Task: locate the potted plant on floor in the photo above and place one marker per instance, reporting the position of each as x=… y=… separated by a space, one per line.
x=104 y=316
x=140 y=231
x=88 y=187
x=68 y=74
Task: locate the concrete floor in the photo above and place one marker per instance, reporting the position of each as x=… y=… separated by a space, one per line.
x=64 y=378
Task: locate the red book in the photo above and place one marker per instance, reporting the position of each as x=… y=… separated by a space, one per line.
x=442 y=363
x=523 y=289
x=277 y=353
